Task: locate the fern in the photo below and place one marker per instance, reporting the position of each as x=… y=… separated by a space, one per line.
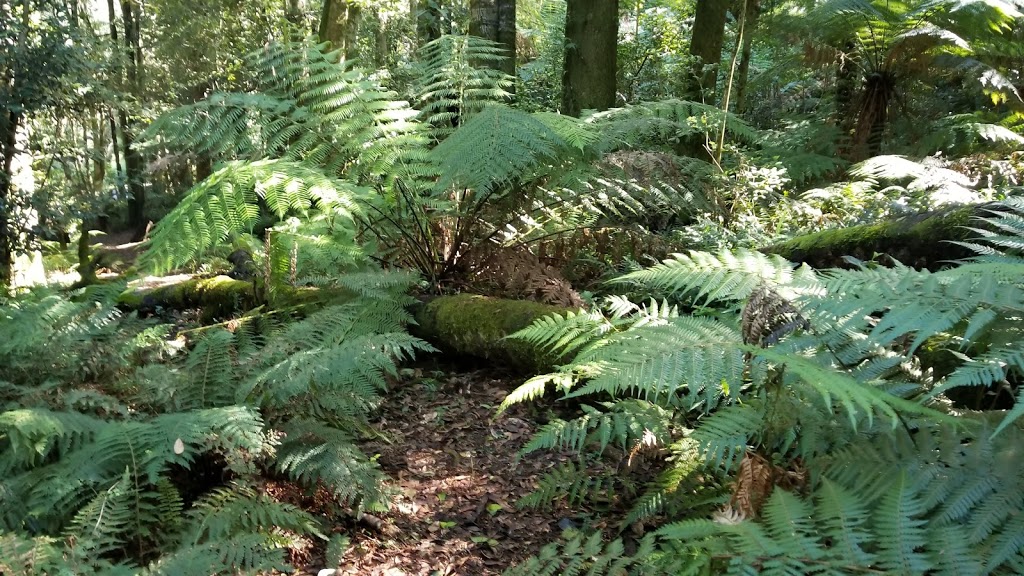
x=494 y=148
x=869 y=468
x=457 y=79
x=724 y=276
x=626 y=424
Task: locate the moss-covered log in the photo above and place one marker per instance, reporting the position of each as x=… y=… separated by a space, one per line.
x=477 y=326
x=920 y=240
x=464 y=324
x=218 y=296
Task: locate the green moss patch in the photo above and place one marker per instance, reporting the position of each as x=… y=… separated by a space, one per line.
x=478 y=325
x=920 y=240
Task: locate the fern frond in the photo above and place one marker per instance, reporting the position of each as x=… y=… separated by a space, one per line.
x=727 y=276
x=495 y=147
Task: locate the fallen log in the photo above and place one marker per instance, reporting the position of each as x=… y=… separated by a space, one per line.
x=477 y=326
x=218 y=296
x=464 y=324
x=923 y=240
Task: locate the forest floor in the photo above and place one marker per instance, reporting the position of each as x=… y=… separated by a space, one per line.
x=454 y=466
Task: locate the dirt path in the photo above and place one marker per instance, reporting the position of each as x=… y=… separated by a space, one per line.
x=456 y=469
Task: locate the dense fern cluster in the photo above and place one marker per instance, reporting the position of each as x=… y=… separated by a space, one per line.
x=847 y=450
x=156 y=464
x=434 y=189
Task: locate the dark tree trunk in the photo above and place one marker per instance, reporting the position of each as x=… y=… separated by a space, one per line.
x=879 y=89
x=428 y=20
x=133 y=161
x=339 y=22
x=751 y=17
x=496 y=20
x=8 y=140
x=706 y=47
x=591 y=33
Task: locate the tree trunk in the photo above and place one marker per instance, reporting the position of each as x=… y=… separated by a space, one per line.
x=133 y=161
x=706 y=48
x=8 y=141
x=751 y=17
x=339 y=23
x=496 y=20
x=591 y=33
x=428 y=20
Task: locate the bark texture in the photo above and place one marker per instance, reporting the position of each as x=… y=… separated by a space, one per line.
x=339 y=22
x=591 y=34
x=496 y=20
x=750 y=16
x=706 y=48
x=134 y=164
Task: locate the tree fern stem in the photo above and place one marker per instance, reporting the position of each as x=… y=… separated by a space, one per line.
x=728 y=87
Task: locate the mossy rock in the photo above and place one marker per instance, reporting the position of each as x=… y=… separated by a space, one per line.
x=923 y=240
x=477 y=326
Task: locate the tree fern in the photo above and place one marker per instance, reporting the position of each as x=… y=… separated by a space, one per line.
x=457 y=79
x=866 y=464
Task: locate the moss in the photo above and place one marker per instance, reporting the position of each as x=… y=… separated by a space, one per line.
x=478 y=325
x=218 y=296
x=920 y=240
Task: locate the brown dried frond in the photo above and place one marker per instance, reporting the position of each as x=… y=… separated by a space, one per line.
x=522 y=275
x=645 y=168
x=768 y=317
x=648 y=444
x=754 y=483
x=756 y=479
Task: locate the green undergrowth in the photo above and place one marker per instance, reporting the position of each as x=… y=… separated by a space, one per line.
x=125 y=451
x=804 y=393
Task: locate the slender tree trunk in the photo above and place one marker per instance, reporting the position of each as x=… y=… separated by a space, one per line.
x=428 y=20
x=706 y=48
x=381 y=45
x=750 y=18
x=591 y=33
x=11 y=118
x=496 y=20
x=8 y=141
x=339 y=22
x=133 y=161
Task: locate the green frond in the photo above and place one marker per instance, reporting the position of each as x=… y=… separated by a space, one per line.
x=27 y=556
x=591 y=556
x=688 y=362
x=667 y=121
x=723 y=436
x=624 y=424
x=728 y=276
x=226 y=203
x=902 y=529
x=318 y=455
x=569 y=482
x=232 y=511
x=846 y=521
x=494 y=148
x=457 y=79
